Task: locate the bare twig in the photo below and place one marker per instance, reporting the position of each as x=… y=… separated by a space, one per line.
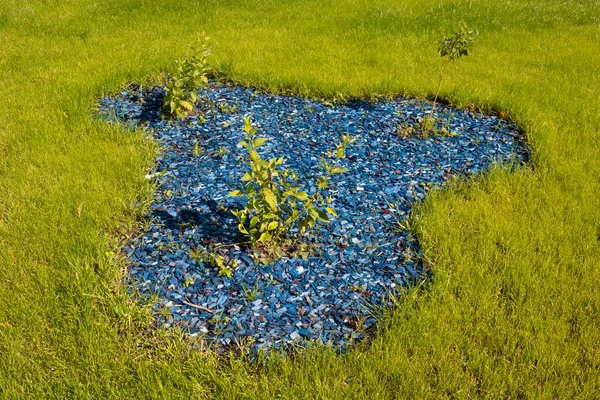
x=208 y=310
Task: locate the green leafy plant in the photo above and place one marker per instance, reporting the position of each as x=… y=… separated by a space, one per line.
x=225 y=264
x=226 y=108
x=425 y=127
x=450 y=48
x=223 y=151
x=219 y=322
x=189 y=281
x=190 y=76
x=251 y=294
x=275 y=203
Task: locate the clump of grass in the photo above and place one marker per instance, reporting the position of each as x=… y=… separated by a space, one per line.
x=425 y=127
x=251 y=294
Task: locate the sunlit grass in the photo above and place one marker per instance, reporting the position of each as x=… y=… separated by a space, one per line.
x=514 y=308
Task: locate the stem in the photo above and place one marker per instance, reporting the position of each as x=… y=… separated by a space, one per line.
x=437 y=92
x=318 y=192
x=270 y=179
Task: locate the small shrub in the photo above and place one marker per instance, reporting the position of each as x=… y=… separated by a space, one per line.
x=190 y=76
x=275 y=204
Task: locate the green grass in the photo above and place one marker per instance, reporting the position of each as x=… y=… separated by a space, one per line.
x=514 y=309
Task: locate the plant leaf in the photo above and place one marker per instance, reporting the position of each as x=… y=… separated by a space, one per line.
x=338 y=170
x=247 y=177
x=270 y=199
x=259 y=142
x=323 y=215
x=265 y=237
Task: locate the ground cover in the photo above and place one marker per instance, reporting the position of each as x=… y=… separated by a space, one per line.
x=514 y=309
x=359 y=259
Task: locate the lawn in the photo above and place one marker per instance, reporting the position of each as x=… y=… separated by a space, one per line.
x=514 y=307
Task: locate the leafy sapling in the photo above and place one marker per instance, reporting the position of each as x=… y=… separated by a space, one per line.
x=275 y=204
x=190 y=76
x=452 y=48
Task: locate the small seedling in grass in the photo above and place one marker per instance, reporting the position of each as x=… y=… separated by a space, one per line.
x=357 y=323
x=219 y=321
x=275 y=204
x=165 y=312
x=450 y=48
x=190 y=76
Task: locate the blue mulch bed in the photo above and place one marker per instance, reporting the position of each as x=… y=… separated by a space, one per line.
x=333 y=296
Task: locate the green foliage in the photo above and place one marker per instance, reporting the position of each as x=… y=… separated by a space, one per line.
x=425 y=128
x=225 y=264
x=458 y=44
x=189 y=281
x=222 y=151
x=251 y=294
x=197 y=150
x=450 y=48
x=275 y=203
x=190 y=76
x=226 y=108
x=336 y=100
